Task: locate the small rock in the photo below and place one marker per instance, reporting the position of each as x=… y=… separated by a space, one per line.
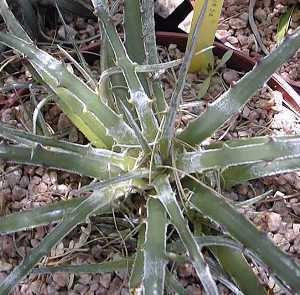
x=61 y=279
x=80 y=23
x=24 y=181
x=297 y=244
x=40 y=188
x=185 y=270
x=296 y=208
x=91 y=30
x=101 y=291
x=281 y=180
x=3 y=184
x=66 y=32
x=63 y=123
x=244 y=40
x=290 y=235
x=246 y=112
x=237 y=23
x=34 y=243
x=105 y=280
x=93 y=288
x=194 y=290
x=85 y=279
x=260 y=14
x=35 y=180
x=233 y=40
x=46 y=179
x=115 y=287
x=29 y=170
x=14 y=177
x=35 y=287
x=39 y=171
x=278 y=239
x=230 y=76
x=243 y=189
x=6 y=194
x=8 y=115
x=18 y=193
x=73 y=135
x=296 y=228
x=273 y=220
x=244 y=17
x=5 y=266
x=62 y=189
x=223 y=34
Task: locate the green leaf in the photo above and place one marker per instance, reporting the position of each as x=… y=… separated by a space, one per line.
x=232 y=100
x=41 y=216
x=138 y=96
x=211 y=204
x=233 y=154
x=238 y=174
x=95 y=166
x=204 y=87
x=137 y=272
x=112 y=190
x=148 y=25
x=103 y=267
x=168 y=129
x=133 y=32
x=77 y=100
x=284 y=22
x=168 y=199
x=225 y=58
x=235 y=264
x=155 y=248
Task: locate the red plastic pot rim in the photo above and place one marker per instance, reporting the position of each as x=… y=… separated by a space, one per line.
x=239 y=62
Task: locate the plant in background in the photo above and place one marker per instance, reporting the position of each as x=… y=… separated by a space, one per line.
x=285 y=20
x=204 y=62
x=135 y=151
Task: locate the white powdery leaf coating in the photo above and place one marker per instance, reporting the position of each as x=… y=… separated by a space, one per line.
x=258 y=170
x=167 y=198
x=47 y=60
x=226 y=106
x=122 y=133
x=152 y=269
x=140 y=99
x=194 y=163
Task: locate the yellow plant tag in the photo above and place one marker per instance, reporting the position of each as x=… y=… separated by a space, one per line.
x=203 y=62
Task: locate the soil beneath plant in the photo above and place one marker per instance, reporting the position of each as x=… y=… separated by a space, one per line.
x=27 y=187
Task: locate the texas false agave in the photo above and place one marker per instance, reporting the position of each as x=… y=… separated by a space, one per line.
x=135 y=150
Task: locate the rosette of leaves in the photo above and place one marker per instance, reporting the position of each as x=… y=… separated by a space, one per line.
x=136 y=151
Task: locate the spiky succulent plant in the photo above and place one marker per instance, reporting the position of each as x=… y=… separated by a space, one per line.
x=135 y=150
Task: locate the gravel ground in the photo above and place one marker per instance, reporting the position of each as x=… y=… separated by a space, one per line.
x=25 y=187
x=234 y=29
